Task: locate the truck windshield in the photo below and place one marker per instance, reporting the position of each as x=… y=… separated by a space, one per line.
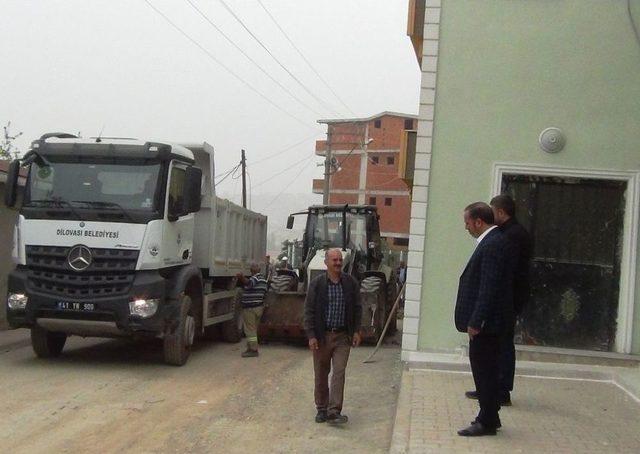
x=328 y=230
x=122 y=187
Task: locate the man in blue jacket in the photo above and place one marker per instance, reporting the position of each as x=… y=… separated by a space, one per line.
x=484 y=310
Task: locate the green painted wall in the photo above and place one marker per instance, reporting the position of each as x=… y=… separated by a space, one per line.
x=506 y=70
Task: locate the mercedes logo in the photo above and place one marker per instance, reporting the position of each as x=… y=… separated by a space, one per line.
x=79 y=258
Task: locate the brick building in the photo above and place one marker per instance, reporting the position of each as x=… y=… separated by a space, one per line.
x=366 y=154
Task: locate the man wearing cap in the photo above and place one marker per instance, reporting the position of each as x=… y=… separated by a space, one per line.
x=332 y=313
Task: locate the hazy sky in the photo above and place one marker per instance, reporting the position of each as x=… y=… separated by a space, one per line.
x=88 y=65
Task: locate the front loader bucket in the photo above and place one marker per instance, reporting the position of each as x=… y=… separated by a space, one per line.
x=283 y=317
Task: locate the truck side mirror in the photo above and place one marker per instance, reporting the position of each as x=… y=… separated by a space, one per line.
x=11 y=186
x=192 y=185
x=290 y=222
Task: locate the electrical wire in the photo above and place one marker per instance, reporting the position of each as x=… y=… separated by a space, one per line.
x=317 y=73
x=235 y=16
x=290 y=183
x=225 y=36
x=285 y=149
x=284 y=170
x=225 y=67
x=226 y=174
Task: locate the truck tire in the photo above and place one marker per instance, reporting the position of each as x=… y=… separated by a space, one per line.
x=177 y=345
x=47 y=344
x=232 y=330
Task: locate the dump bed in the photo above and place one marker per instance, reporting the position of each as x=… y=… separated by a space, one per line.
x=227 y=237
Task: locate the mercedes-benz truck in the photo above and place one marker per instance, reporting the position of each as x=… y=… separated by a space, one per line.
x=126 y=238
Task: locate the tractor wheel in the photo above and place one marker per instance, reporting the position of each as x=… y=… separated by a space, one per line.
x=371 y=287
x=47 y=344
x=177 y=345
x=392 y=294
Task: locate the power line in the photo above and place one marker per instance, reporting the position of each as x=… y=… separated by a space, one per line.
x=287 y=186
x=226 y=68
x=325 y=105
x=230 y=172
x=284 y=150
x=284 y=170
x=206 y=18
x=273 y=19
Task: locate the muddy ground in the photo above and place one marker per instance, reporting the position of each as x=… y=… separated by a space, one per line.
x=114 y=396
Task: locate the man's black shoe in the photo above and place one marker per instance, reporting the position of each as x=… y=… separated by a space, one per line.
x=337 y=418
x=321 y=416
x=498 y=425
x=471 y=395
x=505 y=400
x=476 y=429
x=248 y=353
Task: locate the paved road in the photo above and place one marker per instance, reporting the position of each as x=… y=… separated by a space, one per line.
x=114 y=396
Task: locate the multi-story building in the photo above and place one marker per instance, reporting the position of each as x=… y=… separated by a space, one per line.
x=366 y=154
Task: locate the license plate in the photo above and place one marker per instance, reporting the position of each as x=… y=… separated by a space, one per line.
x=69 y=306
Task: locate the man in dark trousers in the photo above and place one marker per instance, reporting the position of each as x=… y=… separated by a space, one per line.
x=332 y=313
x=484 y=310
x=520 y=250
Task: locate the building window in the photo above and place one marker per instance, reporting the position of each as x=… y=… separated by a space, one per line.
x=390 y=160
x=375 y=159
x=401 y=241
x=377 y=124
x=387 y=201
x=372 y=200
x=408 y=124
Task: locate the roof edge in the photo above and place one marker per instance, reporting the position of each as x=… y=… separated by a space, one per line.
x=366 y=119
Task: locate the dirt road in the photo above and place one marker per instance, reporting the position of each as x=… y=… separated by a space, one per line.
x=114 y=396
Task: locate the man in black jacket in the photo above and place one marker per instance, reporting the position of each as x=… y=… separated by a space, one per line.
x=520 y=249
x=332 y=313
x=484 y=310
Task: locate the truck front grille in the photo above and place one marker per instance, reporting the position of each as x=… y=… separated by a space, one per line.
x=110 y=273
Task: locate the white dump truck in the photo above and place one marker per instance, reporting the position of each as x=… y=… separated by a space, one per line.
x=123 y=237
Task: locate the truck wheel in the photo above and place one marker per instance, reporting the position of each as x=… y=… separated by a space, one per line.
x=232 y=330
x=47 y=344
x=177 y=345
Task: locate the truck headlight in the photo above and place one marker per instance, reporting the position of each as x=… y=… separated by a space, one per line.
x=17 y=301
x=144 y=308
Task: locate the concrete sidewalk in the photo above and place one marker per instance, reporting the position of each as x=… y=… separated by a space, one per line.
x=549 y=414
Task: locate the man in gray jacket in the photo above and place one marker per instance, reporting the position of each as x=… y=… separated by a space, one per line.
x=332 y=313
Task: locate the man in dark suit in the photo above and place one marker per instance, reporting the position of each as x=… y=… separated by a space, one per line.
x=520 y=249
x=484 y=310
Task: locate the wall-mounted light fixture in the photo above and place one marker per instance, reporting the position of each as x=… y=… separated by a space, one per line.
x=552 y=140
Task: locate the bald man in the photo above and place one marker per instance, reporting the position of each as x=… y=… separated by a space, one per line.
x=332 y=313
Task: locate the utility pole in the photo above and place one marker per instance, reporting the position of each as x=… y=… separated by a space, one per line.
x=327 y=168
x=243 y=162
